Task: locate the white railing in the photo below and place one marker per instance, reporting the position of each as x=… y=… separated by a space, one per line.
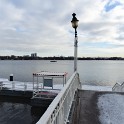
x=118 y=87
x=14 y=85
x=59 y=109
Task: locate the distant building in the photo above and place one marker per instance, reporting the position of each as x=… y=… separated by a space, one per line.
x=34 y=55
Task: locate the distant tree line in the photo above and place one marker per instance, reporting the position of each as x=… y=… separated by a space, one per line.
x=13 y=57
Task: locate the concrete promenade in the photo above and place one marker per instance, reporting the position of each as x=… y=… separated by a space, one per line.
x=96 y=107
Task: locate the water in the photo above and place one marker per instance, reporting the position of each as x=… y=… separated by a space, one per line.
x=105 y=73
x=91 y=72
x=23 y=70
x=18 y=111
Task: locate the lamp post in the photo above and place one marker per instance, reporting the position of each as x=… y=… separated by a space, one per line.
x=75 y=25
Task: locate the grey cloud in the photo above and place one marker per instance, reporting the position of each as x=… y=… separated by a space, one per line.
x=93 y=26
x=42 y=26
x=120 y=38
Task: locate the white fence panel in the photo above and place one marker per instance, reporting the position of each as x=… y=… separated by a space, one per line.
x=59 y=109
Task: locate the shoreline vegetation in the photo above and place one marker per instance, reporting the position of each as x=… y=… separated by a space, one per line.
x=13 y=57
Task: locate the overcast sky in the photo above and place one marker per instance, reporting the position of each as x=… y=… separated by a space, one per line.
x=44 y=27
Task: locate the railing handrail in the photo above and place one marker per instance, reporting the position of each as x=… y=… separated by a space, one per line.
x=47 y=115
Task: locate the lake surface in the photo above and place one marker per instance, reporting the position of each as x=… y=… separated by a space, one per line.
x=19 y=113
x=91 y=72
x=105 y=73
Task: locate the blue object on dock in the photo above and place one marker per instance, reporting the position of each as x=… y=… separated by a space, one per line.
x=48 y=83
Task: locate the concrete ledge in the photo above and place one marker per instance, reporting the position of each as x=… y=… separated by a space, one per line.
x=14 y=93
x=26 y=97
x=40 y=102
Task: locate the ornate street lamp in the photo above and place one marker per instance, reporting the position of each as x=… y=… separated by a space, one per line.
x=75 y=25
